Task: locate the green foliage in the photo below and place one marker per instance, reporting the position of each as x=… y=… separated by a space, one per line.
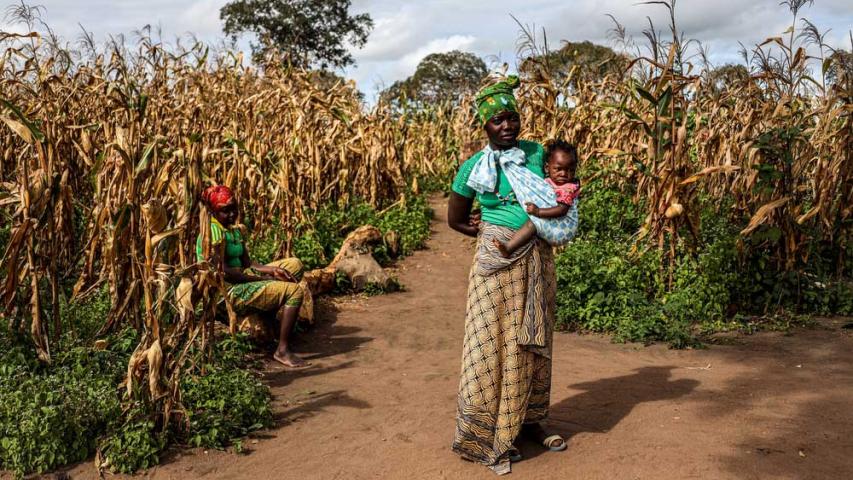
x=839 y=70
x=221 y=399
x=85 y=318
x=224 y=400
x=602 y=288
x=233 y=351
x=607 y=212
x=729 y=76
x=264 y=247
x=590 y=62
x=317 y=243
x=308 y=248
x=309 y=32
x=224 y=404
x=53 y=415
x=373 y=289
x=343 y=285
x=411 y=222
x=441 y=183
x=133 y=445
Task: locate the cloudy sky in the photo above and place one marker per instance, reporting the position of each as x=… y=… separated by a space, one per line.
x=405 y=32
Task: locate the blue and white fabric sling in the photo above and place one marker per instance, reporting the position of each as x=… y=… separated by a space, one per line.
x=528 y=188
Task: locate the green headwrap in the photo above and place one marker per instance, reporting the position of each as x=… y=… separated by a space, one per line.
x=497 y=98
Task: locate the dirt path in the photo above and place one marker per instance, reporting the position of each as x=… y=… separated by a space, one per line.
x=380 y=401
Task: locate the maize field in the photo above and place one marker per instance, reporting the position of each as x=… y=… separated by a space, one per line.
x=104 y=152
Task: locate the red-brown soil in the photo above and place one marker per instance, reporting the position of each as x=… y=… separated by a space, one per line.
x=380 y=399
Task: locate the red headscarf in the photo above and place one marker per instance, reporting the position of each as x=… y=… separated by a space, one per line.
x=216 y=196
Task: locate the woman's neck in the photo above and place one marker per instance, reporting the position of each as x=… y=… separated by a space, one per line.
x=501 y=148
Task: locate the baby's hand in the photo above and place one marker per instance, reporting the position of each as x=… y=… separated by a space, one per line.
x=532 y=209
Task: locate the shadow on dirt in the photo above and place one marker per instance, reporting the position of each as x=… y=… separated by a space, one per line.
x=797 y=396
x=605 y=402
x=326 y=339
x=314 y=403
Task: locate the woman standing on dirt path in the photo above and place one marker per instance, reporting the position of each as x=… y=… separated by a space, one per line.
x=505 y=387
x=255 y=287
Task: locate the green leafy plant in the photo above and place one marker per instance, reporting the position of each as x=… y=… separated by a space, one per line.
x=224 y=404
x=83 y=319
x=53 y=415
x=373 y=289
x=603 y=287
x=410 y=222
x=133 y=445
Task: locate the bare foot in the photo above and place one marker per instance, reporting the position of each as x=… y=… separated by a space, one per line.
x=502 y=248
x=289 y=359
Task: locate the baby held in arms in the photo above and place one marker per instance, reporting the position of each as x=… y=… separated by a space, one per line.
x=560 y=167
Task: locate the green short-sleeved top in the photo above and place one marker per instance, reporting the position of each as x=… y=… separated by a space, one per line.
x=501 y=207
x=233 y=243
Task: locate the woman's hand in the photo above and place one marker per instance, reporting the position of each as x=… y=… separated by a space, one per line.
x=283 y=275
x=460 y=216
x=475 y=219
x=532 y=209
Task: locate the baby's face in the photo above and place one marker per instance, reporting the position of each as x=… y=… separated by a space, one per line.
x=560 y=167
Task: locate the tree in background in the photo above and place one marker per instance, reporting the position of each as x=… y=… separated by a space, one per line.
x=721 y=79
x=307 y=32
x=590 y=62
x=439 y=78
x=840 y=69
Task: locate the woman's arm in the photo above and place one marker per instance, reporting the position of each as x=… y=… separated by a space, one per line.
x=550 y=212
x=459 y=215
x=270 y=273
x=232 y=274
x=236 y=275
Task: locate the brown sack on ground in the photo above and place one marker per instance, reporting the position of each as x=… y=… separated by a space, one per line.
x=356 y=261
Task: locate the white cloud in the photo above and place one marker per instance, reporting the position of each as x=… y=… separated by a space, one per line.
x=202 y=17
x=392 y=37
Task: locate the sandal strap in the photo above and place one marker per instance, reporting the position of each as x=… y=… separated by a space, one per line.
x=550 y=440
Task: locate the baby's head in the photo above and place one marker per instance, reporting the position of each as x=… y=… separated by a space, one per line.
x=561 y=161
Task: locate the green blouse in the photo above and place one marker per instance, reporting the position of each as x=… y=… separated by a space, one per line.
x=233 y=243
x=501 y=207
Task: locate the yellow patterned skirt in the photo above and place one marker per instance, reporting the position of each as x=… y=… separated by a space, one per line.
x=269 y=295
x=504 y=384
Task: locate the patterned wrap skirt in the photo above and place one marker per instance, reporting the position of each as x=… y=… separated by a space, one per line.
x=269 y=295
x=506 y=358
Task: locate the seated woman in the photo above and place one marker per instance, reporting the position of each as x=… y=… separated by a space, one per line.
x=269 y=288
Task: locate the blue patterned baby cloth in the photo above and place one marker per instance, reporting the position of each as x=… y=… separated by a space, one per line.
x=528 y=188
